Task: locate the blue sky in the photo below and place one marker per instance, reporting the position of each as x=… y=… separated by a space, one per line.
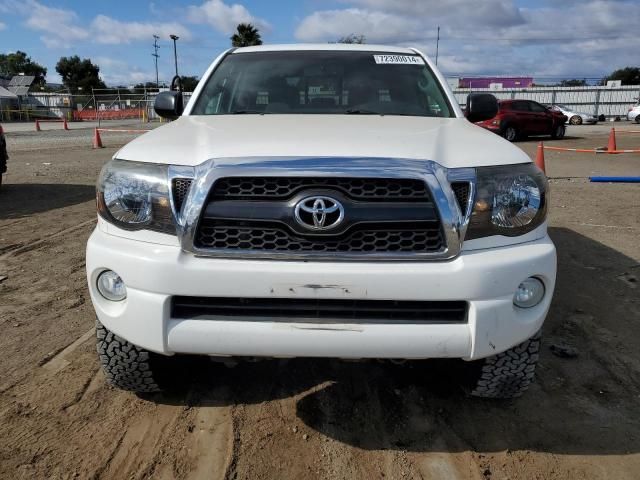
x=545 y=38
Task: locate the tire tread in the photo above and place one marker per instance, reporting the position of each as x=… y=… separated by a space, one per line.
x=125 y=365
x=508 y=374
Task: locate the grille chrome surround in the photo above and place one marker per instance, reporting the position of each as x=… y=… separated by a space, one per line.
x=436 y=178
x=314 y=310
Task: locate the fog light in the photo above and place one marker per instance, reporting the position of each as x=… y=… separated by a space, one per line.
x=111 y=286
x=529 y=293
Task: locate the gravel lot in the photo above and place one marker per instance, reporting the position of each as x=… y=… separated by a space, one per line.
x=301 y=419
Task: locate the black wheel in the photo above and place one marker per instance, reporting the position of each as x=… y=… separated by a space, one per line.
x=510 y=133
x=638 y=118
x=558 y=132
x=508 y=374
x=575 y=120
x=126 y=366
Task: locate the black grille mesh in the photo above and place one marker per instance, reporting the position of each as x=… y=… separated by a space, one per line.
x=323 y=310
x=420 y=238
x=180 y=190
x=372 y=189
x=461 y=190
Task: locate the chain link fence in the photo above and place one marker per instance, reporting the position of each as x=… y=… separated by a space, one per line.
x=608 y=101
x=98 y=106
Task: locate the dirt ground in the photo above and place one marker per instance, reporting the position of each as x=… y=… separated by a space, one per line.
x=301 y=419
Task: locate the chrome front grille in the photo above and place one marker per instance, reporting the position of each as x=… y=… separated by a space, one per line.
x=395 y=209
x=383 y=215
x=421 y=238
x=367 y=189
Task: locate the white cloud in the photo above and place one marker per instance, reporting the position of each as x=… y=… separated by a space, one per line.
x=224 y=18
x=585 y=38
x=108 y=30
x=118 y=72
x=58 y=25
x=61 y=28
x=2 y=26
x=329 y=25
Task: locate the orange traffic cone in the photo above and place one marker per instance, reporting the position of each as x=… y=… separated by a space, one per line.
x=97 y=141
x=37 y=125
x=64 y=124
x=611 y=146
x=540 y=158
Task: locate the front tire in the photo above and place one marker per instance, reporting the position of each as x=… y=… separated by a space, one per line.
x=575 y=120
x=125 y=365
x=508 y=374
x=558 y=132
x=510 y=133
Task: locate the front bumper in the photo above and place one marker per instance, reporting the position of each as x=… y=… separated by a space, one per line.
x=486 y=279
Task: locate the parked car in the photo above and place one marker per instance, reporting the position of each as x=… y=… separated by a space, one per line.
x=574 y=117
x=634 y=114
x=321 y=200
x=4 y=156
x=519 y=118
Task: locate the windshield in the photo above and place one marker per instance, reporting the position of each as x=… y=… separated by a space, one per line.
x=323 y=82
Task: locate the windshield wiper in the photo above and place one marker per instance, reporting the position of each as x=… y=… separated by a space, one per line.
x=361 y=111
x=249 y=112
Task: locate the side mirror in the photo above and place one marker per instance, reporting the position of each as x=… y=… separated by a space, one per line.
x=481 y=106
x=169 y=105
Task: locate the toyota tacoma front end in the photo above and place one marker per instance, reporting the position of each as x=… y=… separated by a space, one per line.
x=321 y=201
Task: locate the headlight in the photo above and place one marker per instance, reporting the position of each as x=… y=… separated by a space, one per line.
x=135 y=196
x=511 y=200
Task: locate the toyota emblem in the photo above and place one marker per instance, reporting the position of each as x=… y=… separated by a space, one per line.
x=319 y=213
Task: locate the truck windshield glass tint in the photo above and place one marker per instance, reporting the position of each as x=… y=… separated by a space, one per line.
x=322 y=82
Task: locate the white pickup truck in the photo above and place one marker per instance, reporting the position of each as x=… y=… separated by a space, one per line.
x=322 y=201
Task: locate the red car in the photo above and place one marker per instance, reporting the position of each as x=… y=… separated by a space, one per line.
x=519 y=118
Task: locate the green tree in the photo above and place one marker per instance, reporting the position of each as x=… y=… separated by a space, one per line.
x=573 y=83
x=628 y=75
x=19 y=62
x=352 y=38
x=246 y=36
x=79 y=74
x=189 y=83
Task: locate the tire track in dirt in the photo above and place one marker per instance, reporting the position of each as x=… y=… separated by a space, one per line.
x=24 y=248
x=140 y=447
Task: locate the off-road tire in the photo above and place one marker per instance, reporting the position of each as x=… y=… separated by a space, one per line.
x=126 y=366
x=508 y=374
x=575 y=120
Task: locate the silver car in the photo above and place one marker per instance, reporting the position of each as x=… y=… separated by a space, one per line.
x=573 y=117
x=634 y=114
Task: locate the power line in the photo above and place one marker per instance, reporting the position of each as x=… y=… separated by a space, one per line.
x=155 y=54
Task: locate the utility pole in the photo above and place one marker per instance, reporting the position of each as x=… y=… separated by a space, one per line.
x=155 y=54
x=437 y=44
x=175 y=53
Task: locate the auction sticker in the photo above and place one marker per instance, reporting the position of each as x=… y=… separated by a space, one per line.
x=399 y=59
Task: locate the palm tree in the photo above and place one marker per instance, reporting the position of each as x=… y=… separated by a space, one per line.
x=246 y=36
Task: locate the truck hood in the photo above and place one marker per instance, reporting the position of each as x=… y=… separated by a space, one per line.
x=451 y=142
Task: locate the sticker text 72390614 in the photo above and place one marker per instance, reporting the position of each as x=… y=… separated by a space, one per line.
x=399 y=59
